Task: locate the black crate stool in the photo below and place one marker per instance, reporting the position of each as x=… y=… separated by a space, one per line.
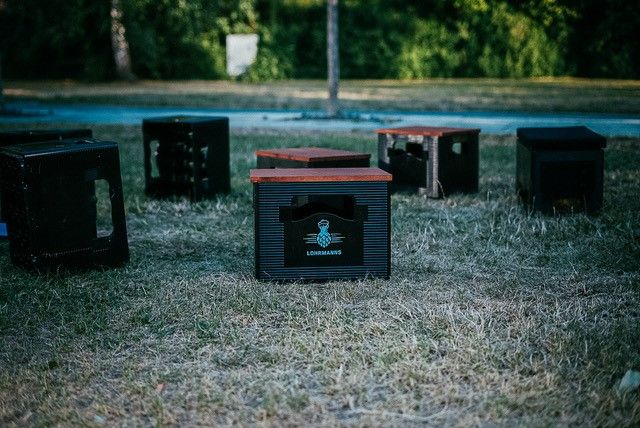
x=433 y=161
x=9 y=138
x=49 y=197
x=560 y=170
x=321 y=223
x=311 y=157
x=192 y=156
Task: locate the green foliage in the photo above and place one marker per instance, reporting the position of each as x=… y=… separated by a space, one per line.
x=604 y=40
x=408 y=39
x=56 y=38
x=179 y=39
x=272 y=63
x=431 y=53
x=514 y=45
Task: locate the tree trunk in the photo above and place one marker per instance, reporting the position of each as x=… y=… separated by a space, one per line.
x=1 y=86
x=3 y=5
x=119 y=43
x=333 y=58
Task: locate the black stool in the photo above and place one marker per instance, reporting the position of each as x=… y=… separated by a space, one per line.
x=434 y=161
x=192 y=156
x=560 y=170
x=49 y=200
x=9 y=138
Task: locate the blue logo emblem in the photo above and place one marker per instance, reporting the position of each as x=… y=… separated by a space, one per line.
x=324 y=237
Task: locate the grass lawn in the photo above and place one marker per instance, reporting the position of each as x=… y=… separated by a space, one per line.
x=549 y=94
x=491 y=316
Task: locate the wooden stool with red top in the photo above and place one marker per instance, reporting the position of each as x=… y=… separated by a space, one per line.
x=311 y=157
x=435 y=161
x=321 y=223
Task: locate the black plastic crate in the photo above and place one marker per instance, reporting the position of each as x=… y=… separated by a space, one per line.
x=321 y=223
x=49 y=197
x=311 y=157
x=560 y=170
x=191 y=157
x=433 y=161
x=8 y=138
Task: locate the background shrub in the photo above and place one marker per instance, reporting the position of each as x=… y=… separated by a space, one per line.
x=407 y=39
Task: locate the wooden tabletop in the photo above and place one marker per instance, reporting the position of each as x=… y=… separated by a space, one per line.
x=306 y=175
x=428 y=131
x=312 y=154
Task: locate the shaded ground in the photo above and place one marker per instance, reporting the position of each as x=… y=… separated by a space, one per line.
x=492 y=315
x=551 y=94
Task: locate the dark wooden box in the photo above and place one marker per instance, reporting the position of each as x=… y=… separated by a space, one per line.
x=434 y=161
x=191 y=157
x=560 y=170
x=49 y=201
x=311 y=157
x=8 y=138
x=321 y=223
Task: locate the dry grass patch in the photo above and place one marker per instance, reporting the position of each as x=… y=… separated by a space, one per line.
x=492 y=315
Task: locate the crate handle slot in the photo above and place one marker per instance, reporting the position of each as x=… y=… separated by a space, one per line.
x=303 y=206
x=116 y=214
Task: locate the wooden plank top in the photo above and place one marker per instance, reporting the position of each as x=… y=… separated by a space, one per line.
x=308 y=175
x=428 y=131
x=312 y=154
